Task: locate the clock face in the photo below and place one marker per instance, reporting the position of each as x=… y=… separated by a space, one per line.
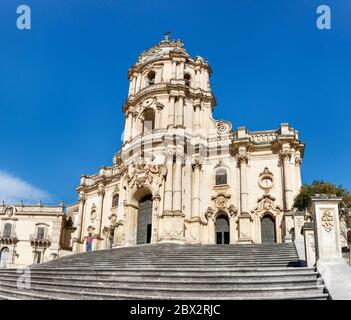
x=266 y=182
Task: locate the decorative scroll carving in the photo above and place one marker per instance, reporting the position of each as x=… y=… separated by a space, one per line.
x=327 y=220
x=220 y=202
x=223 y=127
x=9 y=211
x=267 y=204
x=146 y=173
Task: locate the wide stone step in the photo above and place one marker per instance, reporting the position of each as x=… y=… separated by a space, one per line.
x=166 y=293
x=186 y=255
x=166 y=276
x=111 y=285
x=194 y=258
x=213 y=269
x=186 y=265
x=169 y=271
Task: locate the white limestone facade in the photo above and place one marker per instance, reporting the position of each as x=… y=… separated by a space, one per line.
x=182 y=176
x=29 y=234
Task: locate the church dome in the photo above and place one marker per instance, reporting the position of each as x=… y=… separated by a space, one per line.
x=163 y=49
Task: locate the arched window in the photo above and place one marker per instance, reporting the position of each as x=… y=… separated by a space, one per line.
x=187 y=78
x=115 y=201
x=40 y=233
x=221 y=177
x=149 y=120
x=7 y=230
x=151 y=78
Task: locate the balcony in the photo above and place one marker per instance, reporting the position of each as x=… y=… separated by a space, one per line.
x=8 y=239
x=36 y=242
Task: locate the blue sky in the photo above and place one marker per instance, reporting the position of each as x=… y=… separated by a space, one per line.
x=63 y=83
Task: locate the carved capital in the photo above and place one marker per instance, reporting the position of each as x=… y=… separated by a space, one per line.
x=285 y=154
x=82 y=196
x=298 y=159
x=242 y=156
x=197 y=164
x=101 y=190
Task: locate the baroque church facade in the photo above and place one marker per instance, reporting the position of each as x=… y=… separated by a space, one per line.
x=182 y=176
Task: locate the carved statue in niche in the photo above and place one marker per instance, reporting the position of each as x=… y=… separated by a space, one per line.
x=93 y=212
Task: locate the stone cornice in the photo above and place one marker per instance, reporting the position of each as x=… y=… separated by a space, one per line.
x=167 y=88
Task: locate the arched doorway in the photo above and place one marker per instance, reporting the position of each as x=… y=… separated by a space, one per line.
x=144 y=228
x=222 y=229
x=4 y=257
x=268 y=234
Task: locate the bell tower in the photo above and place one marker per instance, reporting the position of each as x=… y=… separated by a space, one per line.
x=168 y=90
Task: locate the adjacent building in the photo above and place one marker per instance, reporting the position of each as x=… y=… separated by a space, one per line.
x=29 y=234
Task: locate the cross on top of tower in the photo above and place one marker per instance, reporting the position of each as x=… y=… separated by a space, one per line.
x=167 y=35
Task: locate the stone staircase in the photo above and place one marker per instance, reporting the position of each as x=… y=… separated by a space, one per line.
x=170 y=271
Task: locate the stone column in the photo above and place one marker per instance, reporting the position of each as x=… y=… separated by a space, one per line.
x=244 y=217
x=289 y=197
x=196 y=189
x=82 y=199
x=155 y=214
x=133 y=84
x=168 y=201
x=198 y=78
x=298 y=162
x=243 y=159
x=136 y=125
x=327 y=228
x=204 y=79
x=128 y=127
x=188 y=185
x=171 y=111
x=101 y=194
x=180 y=111
x=310 y=252
x=174 y=70
x=138 y=83
x=177 y=185
x=181 y=70
x=197 y=108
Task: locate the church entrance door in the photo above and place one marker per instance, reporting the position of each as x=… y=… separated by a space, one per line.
x=144 y=227
x=4 y=257
x=268 y=230
x=222 y=230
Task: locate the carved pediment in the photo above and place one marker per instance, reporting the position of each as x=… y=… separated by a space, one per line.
x=221 y=204
x=267 y=204
x=146 y=173
x=220 y=200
